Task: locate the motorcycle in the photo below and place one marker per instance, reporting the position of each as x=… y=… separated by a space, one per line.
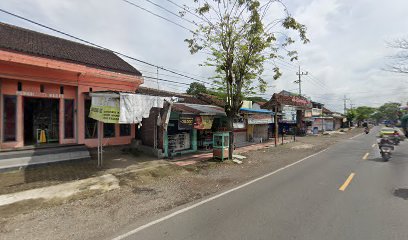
x=386 y=147
x=395 y=140
x=367 y=130
x=386 y=152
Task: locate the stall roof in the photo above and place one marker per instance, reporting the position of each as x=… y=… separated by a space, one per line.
x=198 y=109
x=250 y=110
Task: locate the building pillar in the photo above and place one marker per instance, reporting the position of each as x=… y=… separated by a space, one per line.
x=194 y=139
x=61 y=123
x=1 y=113
x=20 y=122
x=165 y=144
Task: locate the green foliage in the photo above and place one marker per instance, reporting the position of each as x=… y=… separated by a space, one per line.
x=390 y=111
x=238 y=40
x=351 y=115
x=196 y=88
x=364 y=113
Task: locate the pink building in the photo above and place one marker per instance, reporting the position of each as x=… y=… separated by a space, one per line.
x=45 y=83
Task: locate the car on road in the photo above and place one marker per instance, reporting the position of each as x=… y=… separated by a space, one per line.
x=387 y=131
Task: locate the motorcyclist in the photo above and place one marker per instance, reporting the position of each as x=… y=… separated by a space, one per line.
x=366 y=130
x=384 y=141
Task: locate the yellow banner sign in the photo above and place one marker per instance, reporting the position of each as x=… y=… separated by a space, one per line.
x=105 y=109
x=203 y=122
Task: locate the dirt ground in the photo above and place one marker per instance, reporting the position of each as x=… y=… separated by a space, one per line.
x=116 y=160
x=146 y=193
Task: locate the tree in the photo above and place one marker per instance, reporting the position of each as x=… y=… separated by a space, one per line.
x=363 y=113
x=377 y=116
x=239 y=39
x=196 y=88
x=390 y=111
x=400 y=63
x=350 y=115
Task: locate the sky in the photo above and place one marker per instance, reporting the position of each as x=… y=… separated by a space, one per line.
x=346 y=57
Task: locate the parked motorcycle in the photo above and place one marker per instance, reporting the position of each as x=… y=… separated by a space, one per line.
x=395 y=140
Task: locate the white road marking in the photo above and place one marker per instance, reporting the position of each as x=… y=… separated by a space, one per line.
x=356 y=136
x=210 y=199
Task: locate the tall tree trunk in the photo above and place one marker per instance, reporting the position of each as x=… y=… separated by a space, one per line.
x=231 y=135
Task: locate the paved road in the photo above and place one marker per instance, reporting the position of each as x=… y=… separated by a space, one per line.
x=303 y=201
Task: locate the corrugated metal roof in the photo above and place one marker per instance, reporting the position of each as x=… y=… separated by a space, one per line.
x=199 y=109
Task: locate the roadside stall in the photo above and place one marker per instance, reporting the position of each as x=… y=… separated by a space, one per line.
x=120 y=108
x=258 y=121
x=191 y=128
x=221 y=145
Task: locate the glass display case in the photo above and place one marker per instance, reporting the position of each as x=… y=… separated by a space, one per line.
x=220 y=145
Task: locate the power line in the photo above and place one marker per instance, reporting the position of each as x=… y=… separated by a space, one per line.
x=187 y=10
x=172 y=13
x=101 y=47
x=157 y=15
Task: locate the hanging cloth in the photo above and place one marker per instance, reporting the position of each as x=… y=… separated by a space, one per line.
x=135 y=107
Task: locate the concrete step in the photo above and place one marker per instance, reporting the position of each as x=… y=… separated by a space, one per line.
x=27 y=157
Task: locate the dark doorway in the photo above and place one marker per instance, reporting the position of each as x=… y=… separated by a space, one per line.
x=41 y=120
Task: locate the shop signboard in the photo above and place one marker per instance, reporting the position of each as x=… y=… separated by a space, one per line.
x=258 y=121
x=308 y=113
x=288 y=114
x=105 y=109
x=186 y=122
x=239 y=125
x=203 y=122
x=316 y=112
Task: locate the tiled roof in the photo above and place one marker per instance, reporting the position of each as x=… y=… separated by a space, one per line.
x=16 y=39
x=327 y=111
x=211 y=99
x=286 y=100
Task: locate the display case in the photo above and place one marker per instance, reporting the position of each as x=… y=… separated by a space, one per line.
x=220 y=145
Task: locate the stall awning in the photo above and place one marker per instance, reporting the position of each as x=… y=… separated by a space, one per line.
x=254 y=111
x=198 y=109
x=125 y=108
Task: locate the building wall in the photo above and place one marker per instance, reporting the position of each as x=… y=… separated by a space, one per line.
x=261 y=131
x=148 y=129
x=326 y=125
x=76 y=80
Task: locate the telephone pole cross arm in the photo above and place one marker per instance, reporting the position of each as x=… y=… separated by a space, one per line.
x=299 y=81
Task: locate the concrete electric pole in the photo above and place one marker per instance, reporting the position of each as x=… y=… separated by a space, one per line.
x=299 y=81
x=345 y=99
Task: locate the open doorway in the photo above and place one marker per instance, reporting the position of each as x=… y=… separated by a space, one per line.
x=41 y=121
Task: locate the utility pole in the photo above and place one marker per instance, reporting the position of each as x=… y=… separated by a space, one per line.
x=299 y=81
x=157 y=78
x=345 y=99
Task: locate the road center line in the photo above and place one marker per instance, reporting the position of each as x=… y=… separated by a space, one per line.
x=347 y=182
x=366 y=156
x=210 y=199
x=358 y=135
